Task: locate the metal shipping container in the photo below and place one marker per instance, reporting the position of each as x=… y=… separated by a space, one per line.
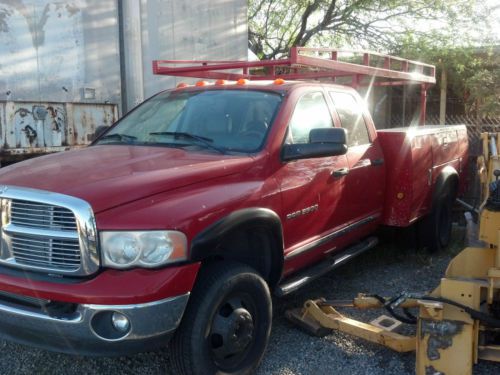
x=67 y=67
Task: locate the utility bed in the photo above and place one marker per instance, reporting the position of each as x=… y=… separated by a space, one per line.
x=415 y=157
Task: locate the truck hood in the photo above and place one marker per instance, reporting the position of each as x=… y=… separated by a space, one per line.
x=112 y=175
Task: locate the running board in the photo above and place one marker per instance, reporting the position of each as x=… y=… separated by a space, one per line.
x=312 y=273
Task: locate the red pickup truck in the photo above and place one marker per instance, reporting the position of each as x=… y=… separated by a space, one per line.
x=183 y=217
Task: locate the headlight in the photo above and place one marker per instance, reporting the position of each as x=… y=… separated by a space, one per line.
x=142 y=249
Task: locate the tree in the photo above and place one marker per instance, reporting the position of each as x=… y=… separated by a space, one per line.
x=483 y=86
x=473 y=73
x=277 y=25
x=446 y=33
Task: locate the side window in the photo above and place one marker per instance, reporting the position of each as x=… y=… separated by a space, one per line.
x=310 y=112
x=351 y=118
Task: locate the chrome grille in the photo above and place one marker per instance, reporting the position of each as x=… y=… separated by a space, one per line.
x=44 y=216
x=48 y=232
x=49 y=252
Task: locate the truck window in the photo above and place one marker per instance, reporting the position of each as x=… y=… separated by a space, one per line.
x=311 y=112
x=230 y=120
x=351 y=118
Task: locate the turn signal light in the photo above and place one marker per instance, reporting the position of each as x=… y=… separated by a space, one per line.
x=279 y=81
x=242 y=81
x=201 y=83
x=182 y=85
x=220 y=82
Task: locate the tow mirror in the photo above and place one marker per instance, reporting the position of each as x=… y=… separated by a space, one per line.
x=322 y=142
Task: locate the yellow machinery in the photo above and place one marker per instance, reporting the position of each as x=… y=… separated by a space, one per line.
x=459 y=322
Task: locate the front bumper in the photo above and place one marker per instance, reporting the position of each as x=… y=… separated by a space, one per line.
x=87 y=329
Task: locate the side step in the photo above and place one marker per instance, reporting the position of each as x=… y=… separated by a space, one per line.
x=312 y=273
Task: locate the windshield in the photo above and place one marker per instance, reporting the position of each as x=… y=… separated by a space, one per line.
x=214 y=120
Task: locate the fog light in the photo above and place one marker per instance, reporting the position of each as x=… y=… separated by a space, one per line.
x=120 y=322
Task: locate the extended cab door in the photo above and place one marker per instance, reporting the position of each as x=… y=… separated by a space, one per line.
x=312 y=189
x=366 y=175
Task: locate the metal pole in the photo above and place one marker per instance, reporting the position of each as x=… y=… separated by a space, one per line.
x=131 y=52
x=442 y=99
x=123 y=76
x=423 y=103
x=403 y=122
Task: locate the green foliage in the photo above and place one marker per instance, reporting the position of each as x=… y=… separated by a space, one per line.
x=277 y=25
x=441 y=32
x=473 y=73
x=484 y=89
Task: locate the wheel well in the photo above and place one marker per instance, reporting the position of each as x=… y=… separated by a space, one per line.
x=252 y=236
x=254 y=245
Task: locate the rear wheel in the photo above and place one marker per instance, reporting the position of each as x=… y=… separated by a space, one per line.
x=435 y=229
x=227 y=323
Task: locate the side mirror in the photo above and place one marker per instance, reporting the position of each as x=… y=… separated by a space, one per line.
x=98 y=131
x=322 y=142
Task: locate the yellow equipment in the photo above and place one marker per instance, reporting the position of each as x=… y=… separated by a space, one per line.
x=459 y=322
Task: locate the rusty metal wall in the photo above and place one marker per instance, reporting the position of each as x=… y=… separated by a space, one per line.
x=59 y=73
x=68 y=66
x=32 y=127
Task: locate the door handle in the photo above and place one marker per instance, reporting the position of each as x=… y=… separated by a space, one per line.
x=340 y=172
x=377 y=162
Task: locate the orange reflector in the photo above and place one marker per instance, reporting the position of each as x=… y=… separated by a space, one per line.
x=242 y=81
x=182 y=85
x=201 y=83
x=220 y=82
x=279 y=81
x=400 y=195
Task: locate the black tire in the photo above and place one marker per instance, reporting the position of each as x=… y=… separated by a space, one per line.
x=435 y=229
x=227 y=323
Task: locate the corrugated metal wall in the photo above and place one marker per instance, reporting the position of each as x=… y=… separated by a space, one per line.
x=89 y=57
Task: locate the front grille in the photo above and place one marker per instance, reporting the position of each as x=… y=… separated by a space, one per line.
x=46 y=252
x=47 y=232
x=42 y=216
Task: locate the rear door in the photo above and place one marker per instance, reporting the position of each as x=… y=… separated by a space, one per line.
x=366 y=177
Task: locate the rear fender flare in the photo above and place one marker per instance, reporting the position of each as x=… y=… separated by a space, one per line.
x=448 y=178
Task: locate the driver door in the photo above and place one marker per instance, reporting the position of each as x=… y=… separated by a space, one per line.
x=311 y=189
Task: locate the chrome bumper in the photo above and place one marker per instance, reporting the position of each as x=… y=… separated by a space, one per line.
x=88 y=330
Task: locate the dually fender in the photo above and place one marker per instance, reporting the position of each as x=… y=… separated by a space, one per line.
x=448 y=178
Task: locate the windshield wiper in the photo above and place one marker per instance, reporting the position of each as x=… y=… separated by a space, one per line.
x=204 y=140
x=119 y=137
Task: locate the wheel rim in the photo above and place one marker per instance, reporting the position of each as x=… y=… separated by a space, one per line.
x=232 y=332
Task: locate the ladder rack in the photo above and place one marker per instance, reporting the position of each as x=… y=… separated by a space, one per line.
x=354 y=68
x=309 y=63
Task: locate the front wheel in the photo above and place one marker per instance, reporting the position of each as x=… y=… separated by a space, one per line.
x=227 y=323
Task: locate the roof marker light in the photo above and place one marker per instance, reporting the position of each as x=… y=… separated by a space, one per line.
x=182 y=85
x=201 y=83
x=220 y=82
x=279 y=81
x=242 y=81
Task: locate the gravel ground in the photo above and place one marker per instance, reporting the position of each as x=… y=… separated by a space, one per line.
x=386 y=270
